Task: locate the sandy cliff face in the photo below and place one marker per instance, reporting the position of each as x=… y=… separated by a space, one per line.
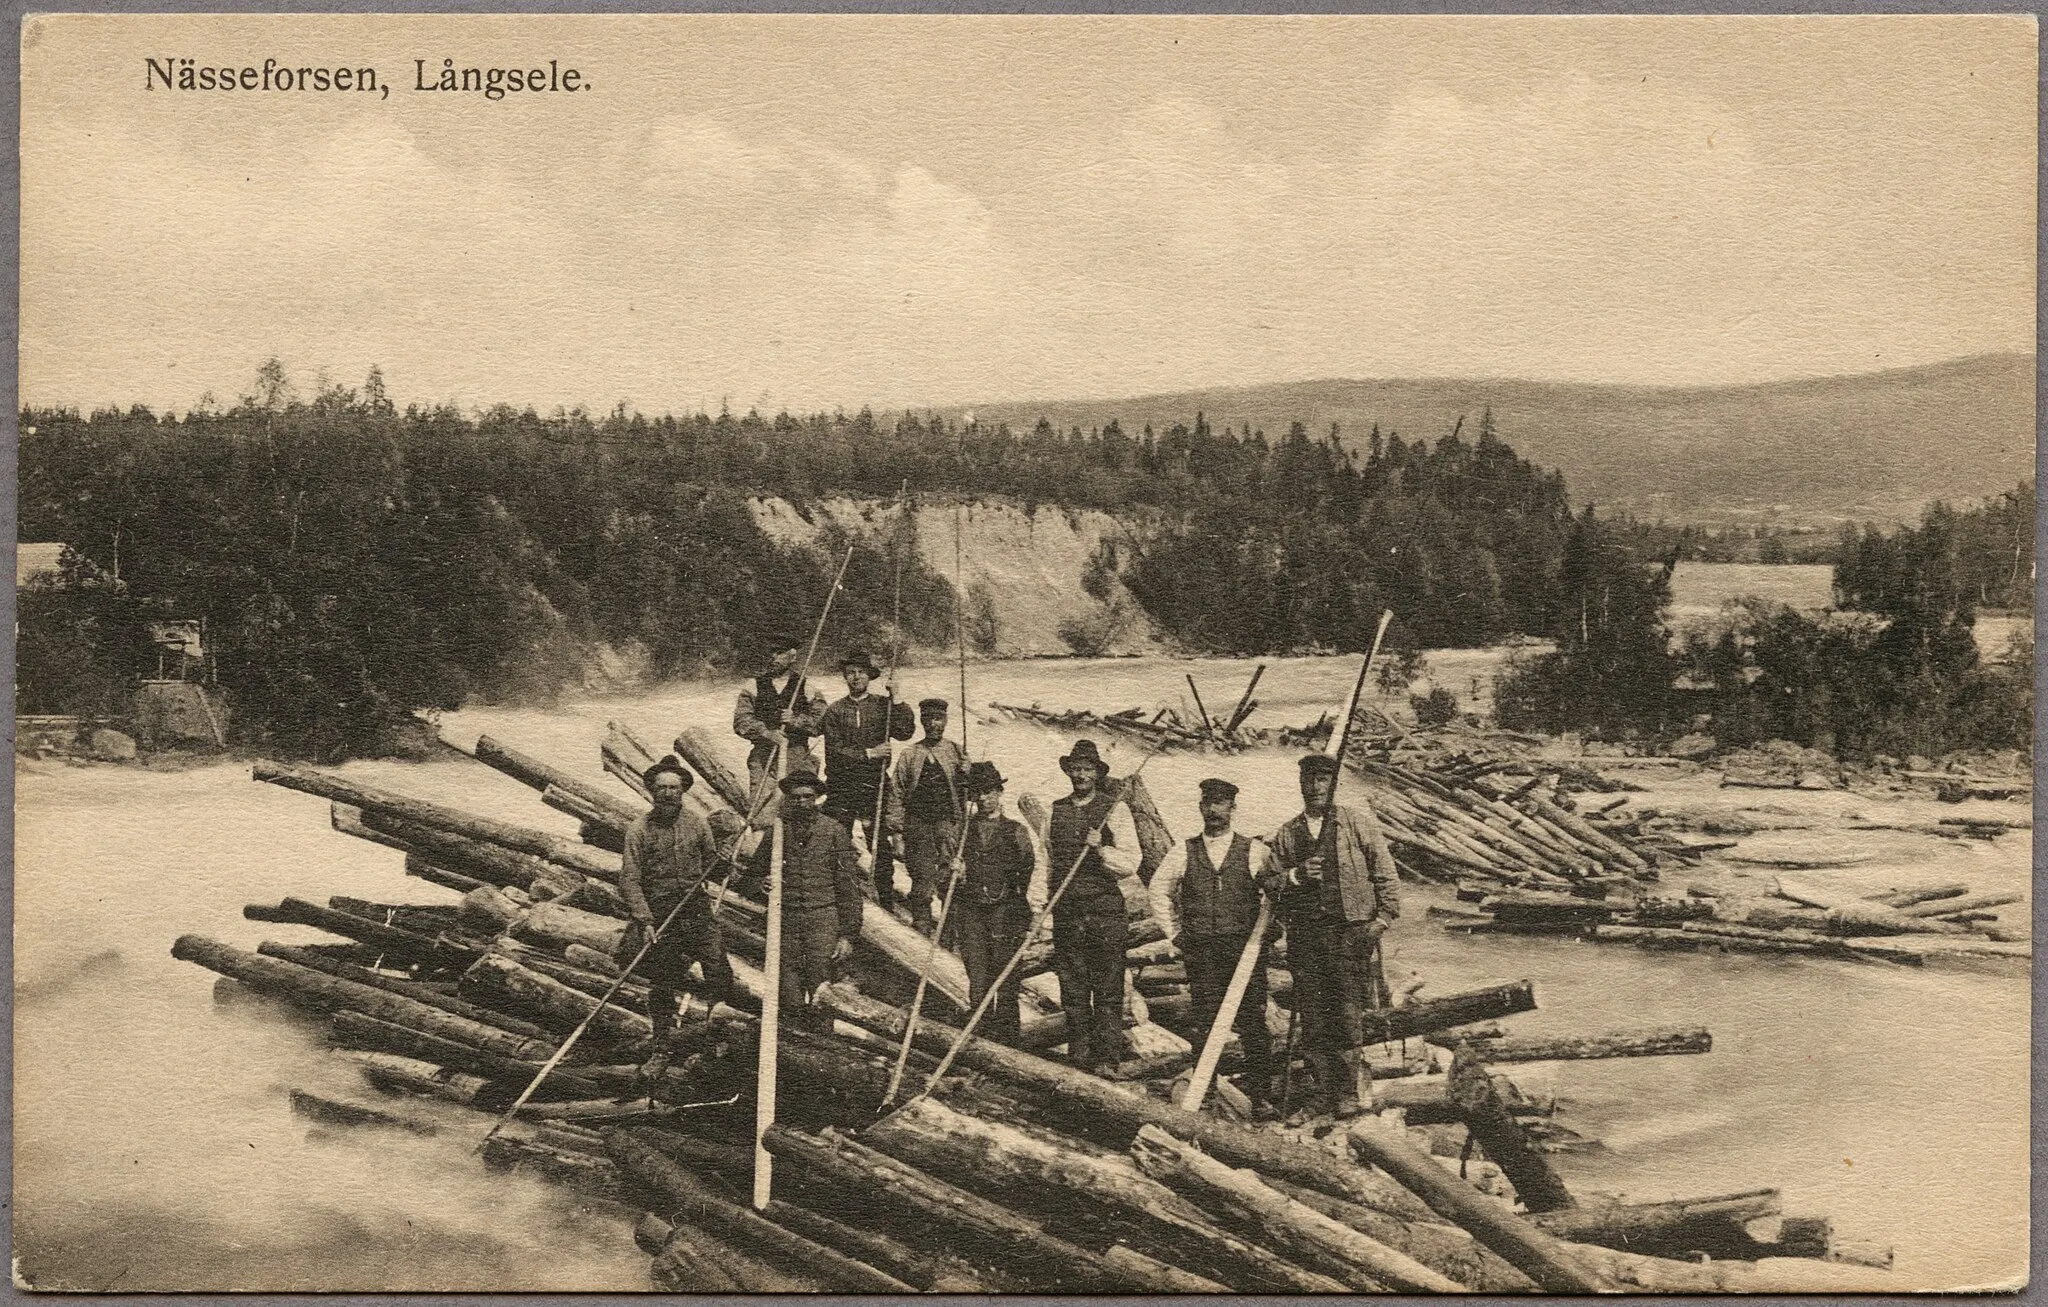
x=1029 y=562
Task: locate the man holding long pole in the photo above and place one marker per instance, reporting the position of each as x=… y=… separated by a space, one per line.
x=668 y=853
x=1093 y=833
x=1206 y=896
x=1004 y=884
x=1338 y=893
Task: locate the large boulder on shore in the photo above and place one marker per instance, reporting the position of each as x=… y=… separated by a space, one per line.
x=110 y=745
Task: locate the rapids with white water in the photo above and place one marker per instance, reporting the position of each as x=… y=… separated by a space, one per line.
x=154 y=1148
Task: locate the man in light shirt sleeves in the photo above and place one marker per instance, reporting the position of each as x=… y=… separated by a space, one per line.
x=1205 y=895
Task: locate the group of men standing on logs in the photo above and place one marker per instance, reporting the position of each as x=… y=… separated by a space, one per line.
x=1328 y=871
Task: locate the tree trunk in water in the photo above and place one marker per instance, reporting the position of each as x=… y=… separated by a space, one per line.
x=1620 y=1043
x=1422 y=1016
x=1488 y=1121
x=324 y=993
x=438 y=951
x=706 y=1210
x=524 y=839
x=945 y=1211
x=1014 y=1167
x=697 y=748
x=1437 y=1245
x=1673 y=1228
x=532 y=772
x=1113 y=1115
x=498 y=979
x=404 y=988
x=1162 y=1277
x=1305 y=1235
x=354 y=1030
x=1542 y=1258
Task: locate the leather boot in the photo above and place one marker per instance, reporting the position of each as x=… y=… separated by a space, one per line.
x=1351 y=1071
x=663 y=1050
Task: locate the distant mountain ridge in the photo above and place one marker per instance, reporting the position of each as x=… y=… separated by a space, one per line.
x=1875 y=446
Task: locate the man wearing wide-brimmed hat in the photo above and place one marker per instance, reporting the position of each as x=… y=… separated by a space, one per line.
x=668 y=853
x=1205 y=894
x=776 y=708
x=1093 y=832
x=1338 y=893
x=857 y=732
x=926 y=789
x=821 y=898
x=1003 y=885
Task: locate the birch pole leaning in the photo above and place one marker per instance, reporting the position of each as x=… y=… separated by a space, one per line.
x=1248 y=961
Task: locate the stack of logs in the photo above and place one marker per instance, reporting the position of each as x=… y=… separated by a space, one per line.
x=1904 y=926
x=1452 y=825
x=1015 y=1173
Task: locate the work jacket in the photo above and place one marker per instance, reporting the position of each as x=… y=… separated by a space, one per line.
x=664 y=861
x=821 y=870
x=908 y=774
x=1366 y=886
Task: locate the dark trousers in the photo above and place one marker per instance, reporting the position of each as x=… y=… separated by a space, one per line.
x=692 y=937
x=928 y=846
x=1211 y=962
x=1337 y=979
x=1088 y=940
x=989 y=935
x=808 y=936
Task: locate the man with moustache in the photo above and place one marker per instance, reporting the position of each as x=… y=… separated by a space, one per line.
x=668 y=853
x=1205 y=895
x=778 y=707
x=926 y=790
x=1003 y=886
x=1091 y=835
x=1338 y=893
x=821 y=898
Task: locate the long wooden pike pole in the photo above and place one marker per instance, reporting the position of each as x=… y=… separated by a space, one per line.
x=1248 y=961
x=771 y=957
x=1037 y=923
x=924 y=971
x=895 y=660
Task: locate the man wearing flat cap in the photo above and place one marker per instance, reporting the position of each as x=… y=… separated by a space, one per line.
x=821 y=898
x=668 y=853
x=1205 y=895
x=778 y=706
x=857 y=732
x=1090 y=835
x=926 y=793
x=1003 y=885
x=1339 y=893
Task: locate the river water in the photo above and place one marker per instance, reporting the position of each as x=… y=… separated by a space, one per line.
x=154 y=1148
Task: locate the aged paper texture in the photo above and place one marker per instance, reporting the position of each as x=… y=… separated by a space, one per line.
x=1429 y=620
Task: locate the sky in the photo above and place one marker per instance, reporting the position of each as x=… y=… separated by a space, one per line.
x=810 y=212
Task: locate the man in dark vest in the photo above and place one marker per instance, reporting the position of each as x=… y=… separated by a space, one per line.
x=1205 y=895
x=1002 y=888
x=857 y=732
x=774 y=708
x=926 y=790
x=1339 y=893
x=668 y=853
x=1090 y=836
x=821 y=898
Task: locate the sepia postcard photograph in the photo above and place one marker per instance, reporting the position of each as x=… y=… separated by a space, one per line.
x=1024 y=654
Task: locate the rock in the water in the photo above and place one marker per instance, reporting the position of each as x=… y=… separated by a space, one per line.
x=112 y=746
x=1694 y=747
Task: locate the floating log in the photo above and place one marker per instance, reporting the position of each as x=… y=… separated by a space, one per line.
x=1540 y=1257
x=696 y=747
x=325 y=993
x=553 y=1003
x=702 y=1208
x=1630 y=1043
x=1161 y=1277
x=531 y=771
x=1848 y=915
x=333 y=1111
x=1155 y=839
x=1674 y=1227
x=950 y=1214
x=492 y=863
x=1306 y=1235
x=1422 y=1016
x=558 y=924
x=355 y=1031
x=392 y=1074
x=524 y=839
x=419 y=993
x=923 y=1271
x=580 y=1170
x=1013 y=1166
x=1972 y=903
x=1490 y=1124
x=438 y=951
x=1097 y=1109
x=597 y=826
